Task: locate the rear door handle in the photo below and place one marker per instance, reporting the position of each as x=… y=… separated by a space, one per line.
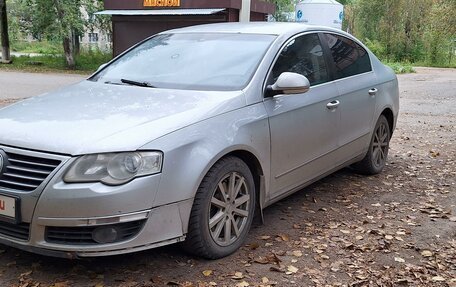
x=373 y=92
x=332 y=105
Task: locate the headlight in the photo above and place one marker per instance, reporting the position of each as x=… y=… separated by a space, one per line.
x=114 y=168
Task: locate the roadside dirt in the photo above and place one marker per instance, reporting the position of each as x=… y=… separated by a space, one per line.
x=394 y=229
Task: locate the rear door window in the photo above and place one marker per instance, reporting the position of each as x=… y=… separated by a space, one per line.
x=349 y=57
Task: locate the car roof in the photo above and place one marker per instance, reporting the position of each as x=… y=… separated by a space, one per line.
x=266 y=28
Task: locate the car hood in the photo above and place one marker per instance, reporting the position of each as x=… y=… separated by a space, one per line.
x=92 y=117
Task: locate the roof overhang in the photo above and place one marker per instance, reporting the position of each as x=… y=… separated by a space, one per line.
x=161 y=12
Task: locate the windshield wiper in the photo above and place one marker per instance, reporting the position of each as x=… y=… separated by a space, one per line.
x=137 y=83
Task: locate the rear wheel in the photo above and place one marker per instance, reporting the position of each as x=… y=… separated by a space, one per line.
x=223 y=210
x=375 y=159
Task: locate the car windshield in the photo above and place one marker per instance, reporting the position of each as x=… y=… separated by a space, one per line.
x=192 y=61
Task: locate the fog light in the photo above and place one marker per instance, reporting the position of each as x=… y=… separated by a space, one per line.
x=105 y=234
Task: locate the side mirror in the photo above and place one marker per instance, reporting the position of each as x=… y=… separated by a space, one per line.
x=288 y=84
x=101 y=67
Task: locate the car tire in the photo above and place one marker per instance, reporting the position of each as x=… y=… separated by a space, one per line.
x=222 y=211
x=375 y=159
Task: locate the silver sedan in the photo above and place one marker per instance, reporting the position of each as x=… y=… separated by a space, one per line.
x=189 y=135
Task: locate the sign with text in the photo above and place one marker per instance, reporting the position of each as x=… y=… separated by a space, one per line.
x=161 y=3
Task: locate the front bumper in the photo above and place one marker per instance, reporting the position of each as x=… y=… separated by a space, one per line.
x=163 y=225
x=70 y=208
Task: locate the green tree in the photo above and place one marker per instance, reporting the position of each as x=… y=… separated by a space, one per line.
x=440 y=33
x=282 y=7
x=62 y=20
x=405 y=30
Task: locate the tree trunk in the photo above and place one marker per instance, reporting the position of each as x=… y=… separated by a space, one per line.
x=6 y=57
x=66 y=34
x=76 y=42
x=69 y=52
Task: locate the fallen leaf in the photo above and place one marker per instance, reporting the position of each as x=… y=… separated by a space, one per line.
x=434 y=153
x=261 y=260
x=345 y=231
x=376 y=204
x=26 y=274
x=427 y=253
x=264 y=280
x=264 y=237
x=284 y=237
x=292 y=269
x=237 y=276
x=398 y=259
x=243 y=284
x=297 y=253
x=438 y=279
x=207 y=273
x=253 y=246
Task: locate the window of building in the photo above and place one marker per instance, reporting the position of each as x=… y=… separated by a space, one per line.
x=303 y=55
x=349 y=57
x=93 y=37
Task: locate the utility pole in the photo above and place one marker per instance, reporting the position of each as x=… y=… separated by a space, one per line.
x=244 y=13
x=6 y=57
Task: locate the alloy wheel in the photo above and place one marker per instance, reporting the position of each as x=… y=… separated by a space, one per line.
x=229 y=209
x=380 y=145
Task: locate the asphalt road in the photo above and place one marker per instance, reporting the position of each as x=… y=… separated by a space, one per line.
x=19 y=85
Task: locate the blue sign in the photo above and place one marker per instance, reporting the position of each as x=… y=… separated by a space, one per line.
x=341 y=15
x=299 y=14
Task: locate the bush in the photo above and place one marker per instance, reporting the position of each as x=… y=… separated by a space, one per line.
x=401 y=68
x=90 y=60
x=376 y=47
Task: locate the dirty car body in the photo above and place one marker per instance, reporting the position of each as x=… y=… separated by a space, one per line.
x=111 y=165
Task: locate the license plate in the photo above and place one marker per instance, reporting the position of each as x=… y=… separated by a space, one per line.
x=8 y=208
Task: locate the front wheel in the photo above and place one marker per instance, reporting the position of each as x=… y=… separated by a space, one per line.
x=223 y=210
x=375 y=159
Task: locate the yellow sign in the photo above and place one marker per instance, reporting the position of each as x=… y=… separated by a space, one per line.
x=161 y=3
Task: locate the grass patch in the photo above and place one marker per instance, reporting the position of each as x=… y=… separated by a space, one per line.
x=42 y=47
x=87 y=62
x=436 y=65
x=401 y=68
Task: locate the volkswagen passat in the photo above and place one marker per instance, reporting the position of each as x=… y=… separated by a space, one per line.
x=188 y=135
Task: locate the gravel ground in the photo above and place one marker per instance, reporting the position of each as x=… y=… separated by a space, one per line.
x=394 y=229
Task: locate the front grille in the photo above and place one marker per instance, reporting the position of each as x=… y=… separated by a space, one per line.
x=83 y=235
x=25 y=173
x=19 y=231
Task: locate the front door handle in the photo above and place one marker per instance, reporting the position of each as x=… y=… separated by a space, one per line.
x=332 y=105
x=373 y=92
